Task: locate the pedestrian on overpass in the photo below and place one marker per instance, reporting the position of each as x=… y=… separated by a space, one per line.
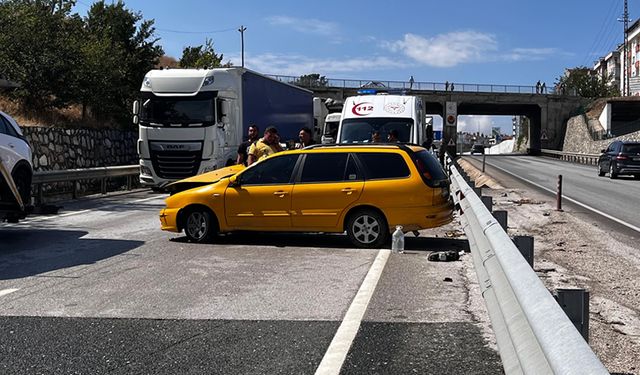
x=543 y=88
x=538 y=86
x=411 y=82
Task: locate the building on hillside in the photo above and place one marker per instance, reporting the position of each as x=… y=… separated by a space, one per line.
x=631 y=62
x=608 y=68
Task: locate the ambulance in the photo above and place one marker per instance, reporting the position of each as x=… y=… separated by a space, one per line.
x=366 y=114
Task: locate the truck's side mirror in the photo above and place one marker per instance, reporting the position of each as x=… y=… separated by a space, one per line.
x=224 y=108
x=136 y=119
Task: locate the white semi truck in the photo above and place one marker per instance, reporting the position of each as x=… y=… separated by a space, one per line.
x=192 y=121
x=365 y=114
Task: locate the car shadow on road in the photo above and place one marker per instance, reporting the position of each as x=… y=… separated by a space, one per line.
x=333 y=241
x=32 y=252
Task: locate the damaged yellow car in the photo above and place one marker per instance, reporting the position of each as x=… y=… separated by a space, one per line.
x=363 y=190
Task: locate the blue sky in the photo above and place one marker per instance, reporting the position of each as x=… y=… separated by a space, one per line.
x=511 y=42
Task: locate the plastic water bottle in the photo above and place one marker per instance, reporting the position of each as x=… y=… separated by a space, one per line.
x=397 y=240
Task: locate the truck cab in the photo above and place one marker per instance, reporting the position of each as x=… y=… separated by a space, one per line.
x=331 y=125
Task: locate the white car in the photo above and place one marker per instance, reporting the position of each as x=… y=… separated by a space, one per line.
x=15 y=154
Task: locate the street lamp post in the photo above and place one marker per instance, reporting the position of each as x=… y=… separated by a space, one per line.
x=242 y=30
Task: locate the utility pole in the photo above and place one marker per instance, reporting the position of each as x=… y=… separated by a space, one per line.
x=626 y=67
x=242 y=30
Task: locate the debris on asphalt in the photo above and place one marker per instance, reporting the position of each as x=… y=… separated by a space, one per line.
x=444 y=256
x=448 y=279
x=454 y=233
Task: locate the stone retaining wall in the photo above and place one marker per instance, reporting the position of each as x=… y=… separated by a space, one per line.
x=59 y=149
x=578 y=139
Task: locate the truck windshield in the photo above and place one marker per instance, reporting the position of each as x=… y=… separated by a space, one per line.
x=360 y=130
x=165 y=110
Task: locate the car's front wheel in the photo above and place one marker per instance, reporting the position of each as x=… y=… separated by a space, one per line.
x=200 y=225
x=367 y=228
x=22 y=179
x=600 y=171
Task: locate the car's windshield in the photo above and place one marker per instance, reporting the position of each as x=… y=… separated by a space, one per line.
x=189 y=110
x=360 y=130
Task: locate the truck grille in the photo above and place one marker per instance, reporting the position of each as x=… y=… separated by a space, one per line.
x=175 y=161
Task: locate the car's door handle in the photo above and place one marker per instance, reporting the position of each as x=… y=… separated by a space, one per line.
x=349 y=191
x=11 y=145
x=280 y=193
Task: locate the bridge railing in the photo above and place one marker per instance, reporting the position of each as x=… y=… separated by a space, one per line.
x=420 y=86
x=533 y=333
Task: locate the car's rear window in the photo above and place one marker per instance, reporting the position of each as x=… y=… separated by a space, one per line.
x=383 y=165
x=631 y=148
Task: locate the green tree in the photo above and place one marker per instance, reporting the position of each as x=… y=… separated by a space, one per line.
x=586 y=83
x=39 y=50
x=202 y=57
x=311 y=80
x=120 y=49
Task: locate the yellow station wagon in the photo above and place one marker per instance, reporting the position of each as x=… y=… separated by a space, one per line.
x=365 y=190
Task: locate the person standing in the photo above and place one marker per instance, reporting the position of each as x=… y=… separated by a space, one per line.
x=538 y=87
x=393 y=136
x=269 y=144
x=305 y=138
x=543 y=88
x=411 y=82
x=243 y=149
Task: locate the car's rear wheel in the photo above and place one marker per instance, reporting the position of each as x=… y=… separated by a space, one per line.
x=600 y=171
x=612 y=171
x=367 y=228
x=200 y=225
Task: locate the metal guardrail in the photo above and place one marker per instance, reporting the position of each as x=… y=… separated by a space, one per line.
x=73 y=175
x=423 y=86
x=533 y=333
x=576 y=157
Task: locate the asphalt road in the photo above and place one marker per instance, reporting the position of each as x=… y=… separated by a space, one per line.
x=100 y=289
x=617 y=199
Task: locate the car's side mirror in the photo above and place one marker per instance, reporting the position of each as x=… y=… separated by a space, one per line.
x=233 y=181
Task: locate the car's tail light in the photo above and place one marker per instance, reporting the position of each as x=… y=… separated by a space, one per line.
x=621 y=157
x=423 y=169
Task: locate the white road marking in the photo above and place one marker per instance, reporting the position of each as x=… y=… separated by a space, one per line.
x=337 y=352
x=4 y=292
x=619 y=221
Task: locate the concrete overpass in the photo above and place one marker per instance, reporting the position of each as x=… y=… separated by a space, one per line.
x=548 y=112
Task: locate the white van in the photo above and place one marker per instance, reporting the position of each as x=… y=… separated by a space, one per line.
x=364 y=115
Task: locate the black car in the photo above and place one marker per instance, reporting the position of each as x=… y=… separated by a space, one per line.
x=621 y=157
x=477 y=148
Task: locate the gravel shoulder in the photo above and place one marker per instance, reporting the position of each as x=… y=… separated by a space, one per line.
x=571 y=252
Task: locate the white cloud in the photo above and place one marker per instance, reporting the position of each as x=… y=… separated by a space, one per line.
x=296 y=65
x=463 y=47
x=309 y=26
x=447 y=50
x=530 y=54
x=475 y=123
